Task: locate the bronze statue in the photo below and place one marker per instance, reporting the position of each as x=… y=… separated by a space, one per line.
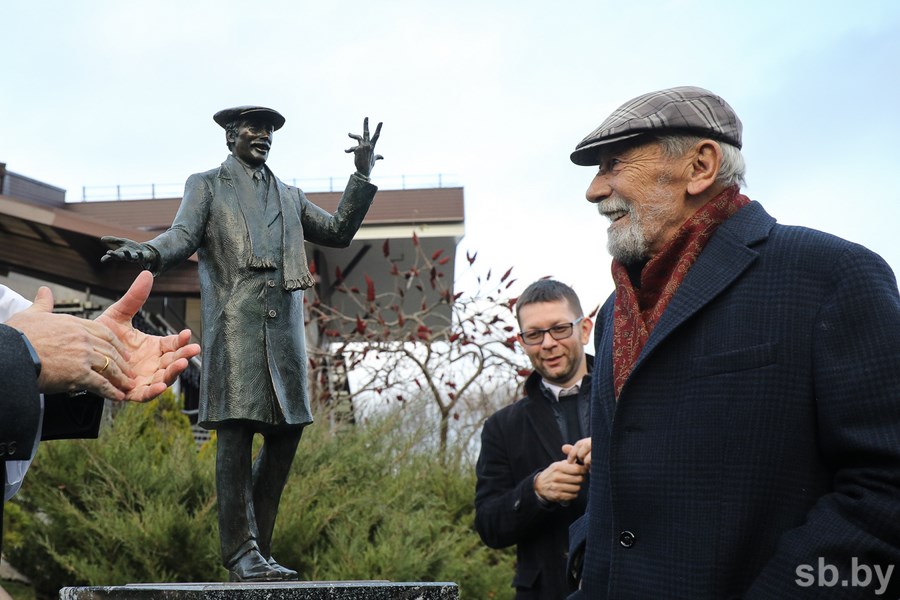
x=248 y=229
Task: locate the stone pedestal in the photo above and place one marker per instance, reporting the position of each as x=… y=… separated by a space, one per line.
x=312 y=590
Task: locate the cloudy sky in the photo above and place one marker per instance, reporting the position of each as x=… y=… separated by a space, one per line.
x=493 y=95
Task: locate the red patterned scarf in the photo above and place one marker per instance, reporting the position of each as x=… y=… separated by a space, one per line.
x=637 y=311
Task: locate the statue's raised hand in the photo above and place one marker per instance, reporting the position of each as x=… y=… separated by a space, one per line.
x=364 y=151
x=127 y=250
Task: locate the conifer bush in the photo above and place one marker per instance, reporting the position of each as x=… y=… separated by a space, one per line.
x=370 y=501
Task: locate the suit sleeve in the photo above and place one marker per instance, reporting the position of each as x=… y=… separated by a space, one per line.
x=20 y=407
x=337 y=230
x=506 y=510
x=185 y=236
x=856 y=356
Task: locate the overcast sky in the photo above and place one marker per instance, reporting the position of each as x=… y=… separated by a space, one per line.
x=494 y=95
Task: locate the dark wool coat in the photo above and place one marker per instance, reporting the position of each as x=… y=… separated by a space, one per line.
x=759 y=432
x=516 y=442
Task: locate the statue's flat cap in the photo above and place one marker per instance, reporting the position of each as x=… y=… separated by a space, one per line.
x=261 y=113
x=688 y=110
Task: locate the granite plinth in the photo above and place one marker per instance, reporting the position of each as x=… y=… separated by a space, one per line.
x=310 y=590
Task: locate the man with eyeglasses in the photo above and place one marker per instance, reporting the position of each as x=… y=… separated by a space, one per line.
x=528 y=493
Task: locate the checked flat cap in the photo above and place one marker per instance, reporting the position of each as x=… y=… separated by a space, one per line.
x=690 y=110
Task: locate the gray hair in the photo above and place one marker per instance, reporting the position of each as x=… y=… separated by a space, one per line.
x=731 y=171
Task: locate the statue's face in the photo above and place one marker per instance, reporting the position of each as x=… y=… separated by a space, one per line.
x=252 y=142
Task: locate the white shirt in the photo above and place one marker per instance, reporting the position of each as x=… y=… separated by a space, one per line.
x=10 y=304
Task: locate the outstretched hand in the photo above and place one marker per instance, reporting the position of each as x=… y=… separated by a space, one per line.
x=364 y=151
x=76 y=354
x=154 y=361
x=126 y=250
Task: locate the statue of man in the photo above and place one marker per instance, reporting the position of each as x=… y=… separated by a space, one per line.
x=248 y=229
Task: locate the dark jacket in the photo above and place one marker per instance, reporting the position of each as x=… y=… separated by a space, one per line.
x=20 y=408
x=759 y=431
x=516 y=443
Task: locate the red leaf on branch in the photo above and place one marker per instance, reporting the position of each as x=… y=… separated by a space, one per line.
x=360 y=326
x=471 y=258
x=415 y=239
x=332 y=333
x=386 y=248
x=312 y=267
x=505 y=275
x=444 y=260
x=523 y=372
x=338 y=276
x=370 y=289
x=394 y=269
x=437 y=254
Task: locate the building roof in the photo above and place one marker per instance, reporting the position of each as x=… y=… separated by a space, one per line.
x=47 y=238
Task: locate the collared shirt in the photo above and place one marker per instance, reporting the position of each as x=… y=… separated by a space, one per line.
x=552 y=392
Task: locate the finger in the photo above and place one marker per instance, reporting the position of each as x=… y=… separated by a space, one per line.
x=377 y=133
x=129 y=304
x=366 y=127
x=355 y=136
x=379 y=157
x=146 y=393
x=108 y=343
x=114 y=372
x=112 y=240
x=101 y=386
x=174 y=370
x=43 y=300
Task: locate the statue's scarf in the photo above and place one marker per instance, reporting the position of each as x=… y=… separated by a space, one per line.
x=295 y=266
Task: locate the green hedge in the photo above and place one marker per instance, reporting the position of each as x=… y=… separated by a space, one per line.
x=138 y=505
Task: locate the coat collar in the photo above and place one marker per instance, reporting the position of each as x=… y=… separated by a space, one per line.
x=727 y=255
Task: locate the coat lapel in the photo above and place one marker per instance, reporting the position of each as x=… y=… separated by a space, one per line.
x=543 y=421
x=727 y=255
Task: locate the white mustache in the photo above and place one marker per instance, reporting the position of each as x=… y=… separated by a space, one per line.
x=613 y=204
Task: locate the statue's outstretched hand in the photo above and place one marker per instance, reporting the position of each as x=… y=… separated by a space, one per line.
x=364 y=151
x=154 y=361
x=127 y=250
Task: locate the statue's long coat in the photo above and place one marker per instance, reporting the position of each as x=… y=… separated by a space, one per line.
x=254 y=352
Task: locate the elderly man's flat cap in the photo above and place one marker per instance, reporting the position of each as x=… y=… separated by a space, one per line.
x=261 y=113
x=689 y=110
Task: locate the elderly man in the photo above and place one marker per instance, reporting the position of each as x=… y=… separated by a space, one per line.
x=528 y=493
x=745 y=414
x=248 y=229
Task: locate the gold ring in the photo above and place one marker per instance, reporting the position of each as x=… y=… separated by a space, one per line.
x=103 y=368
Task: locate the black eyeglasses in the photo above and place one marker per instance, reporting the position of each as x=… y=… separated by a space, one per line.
x=533 y=337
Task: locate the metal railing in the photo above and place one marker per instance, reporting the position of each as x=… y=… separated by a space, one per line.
x=152 y=191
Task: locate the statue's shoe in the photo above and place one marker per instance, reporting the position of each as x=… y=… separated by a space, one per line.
x=286 y=574
x=253 y=567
